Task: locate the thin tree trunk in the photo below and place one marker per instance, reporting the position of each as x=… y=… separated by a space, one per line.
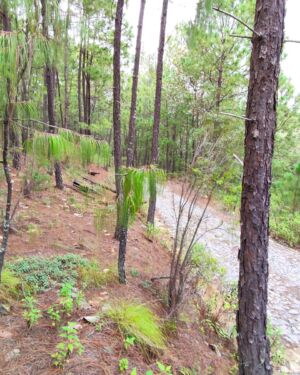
x=79 y=84
x=157 y=105
x=60 y=100
x=135 y=78
x=117 y=95
x=88 y=94
x=9 y=108
x=17 y=158
x=50 y=85
x=122 y=253
x=253 y=344
x=83 y=78
x=117 y=125
x=66 y=70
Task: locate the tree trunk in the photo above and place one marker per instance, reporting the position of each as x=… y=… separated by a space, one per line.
x=253 y=344
x=122 y=254
x=66 y=70
x=17 y=158
x=117 y=95
x=157 y=104
x=60 y=100
x=135 y=78
x=83 y=79
x=79 y=84
x=7 y=121
x=117 y=120
x=50 y=85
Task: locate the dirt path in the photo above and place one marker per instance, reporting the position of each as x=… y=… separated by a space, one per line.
x=284 y=286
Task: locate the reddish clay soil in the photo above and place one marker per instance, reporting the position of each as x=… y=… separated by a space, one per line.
x=65 y=225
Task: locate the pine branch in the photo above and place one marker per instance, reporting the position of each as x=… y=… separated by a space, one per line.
x=235 y=116
x=237 y=19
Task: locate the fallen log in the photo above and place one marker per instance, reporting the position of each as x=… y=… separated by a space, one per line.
x=99 y=184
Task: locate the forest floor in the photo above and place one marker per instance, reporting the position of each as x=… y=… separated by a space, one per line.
x=223 y=243
x=53 y=223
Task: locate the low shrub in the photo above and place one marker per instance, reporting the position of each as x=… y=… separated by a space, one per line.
x=140 y=322
x=285 y=225
x=43 y=273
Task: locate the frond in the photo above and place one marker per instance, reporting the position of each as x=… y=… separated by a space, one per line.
x=65 y=144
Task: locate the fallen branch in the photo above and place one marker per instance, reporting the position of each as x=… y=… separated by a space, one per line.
x=160 y=278
x=101 y=185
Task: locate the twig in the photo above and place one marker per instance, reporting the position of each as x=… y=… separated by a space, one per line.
x=240 y=36
x=291 y=41
x=238 y=159
x=249 y=37
x=237 y=19
x=235 y=116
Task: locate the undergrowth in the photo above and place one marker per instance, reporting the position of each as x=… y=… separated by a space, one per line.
x=11 y=287
x=140 y=322
x=43 y=273
x=91 y=275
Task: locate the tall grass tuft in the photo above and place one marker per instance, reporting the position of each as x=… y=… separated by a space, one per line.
x=139 y=321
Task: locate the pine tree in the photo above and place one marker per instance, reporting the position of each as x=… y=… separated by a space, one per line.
x=253 y=344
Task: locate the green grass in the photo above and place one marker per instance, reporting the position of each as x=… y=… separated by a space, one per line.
x=139 y=321
x=286 y=225
x=91 y=275
x=11 y=287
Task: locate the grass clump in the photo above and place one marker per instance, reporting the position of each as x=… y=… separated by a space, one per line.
x=43 y=273
x=91 y=275
x=11 y=287
x=140 y=322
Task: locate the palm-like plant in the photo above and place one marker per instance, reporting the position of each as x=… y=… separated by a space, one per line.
x=66 y=144
x=129 y=203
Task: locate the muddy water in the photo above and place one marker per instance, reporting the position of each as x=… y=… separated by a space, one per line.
x=284 y=282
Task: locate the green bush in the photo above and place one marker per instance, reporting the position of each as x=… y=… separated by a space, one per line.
x=285 y=225
x=43 y=273
x=138 y=321
x=206 y=265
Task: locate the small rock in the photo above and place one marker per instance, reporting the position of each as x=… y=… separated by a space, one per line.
x=215 y=349
x=84 y=305
x=108 y=350
x=4 y=310
x=94 y=319
x=12 y=355
x=6 y=334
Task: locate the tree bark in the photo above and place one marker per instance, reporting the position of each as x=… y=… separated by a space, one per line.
x=135 y=78
x=122 y=253
x=60 y=99
x=157 y=104
x=79 y=84
x=9 y=109
x=66 y=70
x=117 y=95
x=253 y=344
x=50 y=85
